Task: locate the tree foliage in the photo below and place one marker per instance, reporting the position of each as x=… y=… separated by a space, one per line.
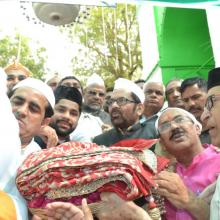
x=111 y=44
x=33 y=58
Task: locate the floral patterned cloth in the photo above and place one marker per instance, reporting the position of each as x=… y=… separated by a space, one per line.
x=74 y=170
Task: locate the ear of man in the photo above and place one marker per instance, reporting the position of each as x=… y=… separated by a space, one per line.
x=140 y=109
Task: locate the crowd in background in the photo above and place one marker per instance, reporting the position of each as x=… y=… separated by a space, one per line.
x=183 y=115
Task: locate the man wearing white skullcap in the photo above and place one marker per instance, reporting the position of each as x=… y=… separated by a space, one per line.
x=32 y=104
x=126 y=109
x=195 y=168
x=94 y=97
x=93 y=120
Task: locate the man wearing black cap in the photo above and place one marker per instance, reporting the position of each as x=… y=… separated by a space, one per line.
x=67 y=111
x=211 y=116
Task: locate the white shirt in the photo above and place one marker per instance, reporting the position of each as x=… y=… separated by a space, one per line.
x=88 y=127
x=215 y=202
x=30 y=148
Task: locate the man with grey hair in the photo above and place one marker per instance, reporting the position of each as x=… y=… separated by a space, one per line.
x=195 y=168
x=94 y=98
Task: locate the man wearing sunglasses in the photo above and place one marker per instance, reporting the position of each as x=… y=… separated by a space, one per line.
x=126 y=109
x=195 y=168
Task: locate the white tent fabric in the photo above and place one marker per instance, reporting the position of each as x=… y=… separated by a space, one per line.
x=213 y=17
x=148 y=37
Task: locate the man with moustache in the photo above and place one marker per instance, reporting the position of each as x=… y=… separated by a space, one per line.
x=194 y=93
x=173 y=94
x=126 y=109
x=195 y=168
x=93 y=114
x=67 y=111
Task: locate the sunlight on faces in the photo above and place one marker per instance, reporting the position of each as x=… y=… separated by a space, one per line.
x=28 y=106
x=181 y=134
x=94 y=96
x=65 y=118
x=194 y=99
x=123 y=116
x=212 y=117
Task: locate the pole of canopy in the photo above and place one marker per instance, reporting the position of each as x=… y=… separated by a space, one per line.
x=19 y=47
x=104 y=35
x=116 y=41
x=128 y=35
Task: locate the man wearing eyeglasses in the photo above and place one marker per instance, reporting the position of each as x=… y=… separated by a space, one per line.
x=211 y=116
x=126 y=109
x=195 y=168
x=94 y=98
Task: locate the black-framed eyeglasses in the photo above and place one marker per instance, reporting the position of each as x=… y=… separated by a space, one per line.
x=120 y=101
x=211 y=100
x=181 y=119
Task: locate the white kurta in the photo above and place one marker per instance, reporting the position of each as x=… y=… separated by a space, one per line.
x=215 y=202
x=88 y=127
x=10 y=150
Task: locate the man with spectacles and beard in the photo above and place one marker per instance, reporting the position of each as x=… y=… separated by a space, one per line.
x=67 y=111
x=94 y=98
x=195 y=168
x=126 y=109
x=194 y=93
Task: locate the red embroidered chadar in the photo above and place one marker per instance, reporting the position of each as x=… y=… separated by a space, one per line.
x=73 y=171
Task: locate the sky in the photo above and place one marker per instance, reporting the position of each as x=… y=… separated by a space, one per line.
x=59 y=48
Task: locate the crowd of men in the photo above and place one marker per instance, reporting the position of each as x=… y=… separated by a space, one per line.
x=61 y=110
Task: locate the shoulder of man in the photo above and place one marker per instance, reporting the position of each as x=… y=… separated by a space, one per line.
x=104 y=138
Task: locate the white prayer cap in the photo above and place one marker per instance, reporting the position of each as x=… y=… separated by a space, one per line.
x=122 y=83
x=39 y=86
x=188 y=114
x=95 y=79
